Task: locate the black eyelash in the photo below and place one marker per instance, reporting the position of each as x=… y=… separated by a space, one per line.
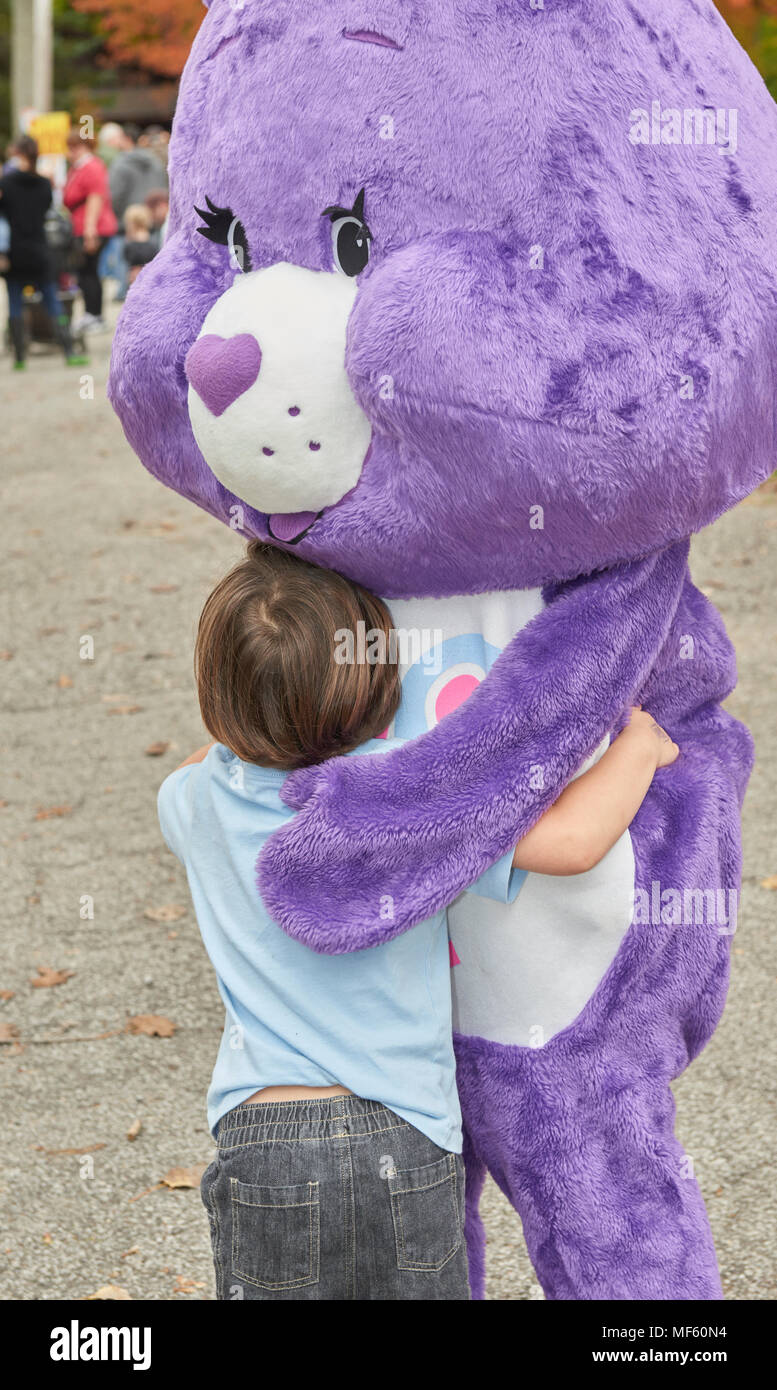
x=356 y=211
x=218 y=222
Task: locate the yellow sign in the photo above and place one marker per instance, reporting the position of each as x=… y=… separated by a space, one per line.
x=50 y=129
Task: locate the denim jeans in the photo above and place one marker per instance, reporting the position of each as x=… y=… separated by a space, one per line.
x=48 y=291
x=334 y=1199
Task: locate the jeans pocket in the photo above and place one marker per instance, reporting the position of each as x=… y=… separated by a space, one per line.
x=425 y=1210
x=275 y=1234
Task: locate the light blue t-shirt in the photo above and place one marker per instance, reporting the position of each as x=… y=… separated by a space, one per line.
x=376 y=1021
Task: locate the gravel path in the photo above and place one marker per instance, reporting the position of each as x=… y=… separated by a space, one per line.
x=93 y=548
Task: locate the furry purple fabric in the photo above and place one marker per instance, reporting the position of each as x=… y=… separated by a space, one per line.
x=458 y=798
x=564 y=343
x=552 y=316
x=579 y=1133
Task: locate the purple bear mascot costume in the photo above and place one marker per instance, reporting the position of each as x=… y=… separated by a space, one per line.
x=483 y=315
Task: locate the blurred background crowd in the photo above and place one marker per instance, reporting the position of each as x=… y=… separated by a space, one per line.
x=87 y=97
x=62 y=239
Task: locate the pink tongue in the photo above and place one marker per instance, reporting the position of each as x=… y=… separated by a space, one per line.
x=286 y=526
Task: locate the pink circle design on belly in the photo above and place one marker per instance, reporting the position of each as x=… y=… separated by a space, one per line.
x=454 y=694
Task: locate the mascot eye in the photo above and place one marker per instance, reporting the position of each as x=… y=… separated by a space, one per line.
x=351 y=237
x=222 y=227
x=350 y=245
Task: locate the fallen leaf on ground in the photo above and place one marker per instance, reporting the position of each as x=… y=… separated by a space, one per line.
x=8 y=1032
x=175 y=1179
x=64 y=682
x=68 y=1153
x=6 y=994
x=50 y=812
x=155 y=750
x=48 y=977
x=47 y=1239
x=125 y=709
x=6 y=656
x=184 y=1285
x=169 y=913
x=133 y=1250
x=113 y=1292
x=134 y=1129
x=184 y=1177
x=770 y=882
x=151 y=1025
x=163 y=588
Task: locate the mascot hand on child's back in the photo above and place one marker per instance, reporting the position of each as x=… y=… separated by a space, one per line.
x=474 y=301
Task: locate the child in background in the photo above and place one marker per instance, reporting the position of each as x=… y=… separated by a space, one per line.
x=339 y=1173
x=139 y=245
x=158 y=204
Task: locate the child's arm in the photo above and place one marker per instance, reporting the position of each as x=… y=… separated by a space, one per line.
x=198 y=757
x=593 y=811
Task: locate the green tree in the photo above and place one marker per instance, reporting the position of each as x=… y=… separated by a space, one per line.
x=5 y=74
x=78 y=46
x=754 y=22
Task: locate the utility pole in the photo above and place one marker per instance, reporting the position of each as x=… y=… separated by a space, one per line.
x=32 y=57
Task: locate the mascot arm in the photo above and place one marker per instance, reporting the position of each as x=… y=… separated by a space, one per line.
x=381 y=843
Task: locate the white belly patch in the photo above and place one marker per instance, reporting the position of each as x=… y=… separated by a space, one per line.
x=525 y=970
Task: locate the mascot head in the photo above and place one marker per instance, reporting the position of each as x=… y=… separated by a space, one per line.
x=461 y=295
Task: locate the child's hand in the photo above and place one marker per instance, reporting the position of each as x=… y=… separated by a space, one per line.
x=643 y=725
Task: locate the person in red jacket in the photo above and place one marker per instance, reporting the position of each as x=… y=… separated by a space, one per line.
x=87 y=197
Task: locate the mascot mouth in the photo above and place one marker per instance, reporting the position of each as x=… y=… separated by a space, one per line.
x=291 y=527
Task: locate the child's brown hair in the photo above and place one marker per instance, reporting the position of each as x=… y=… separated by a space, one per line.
x=270 y=684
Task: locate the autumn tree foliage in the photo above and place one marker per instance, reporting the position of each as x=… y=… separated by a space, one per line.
x=154 y=37
x=754 y=23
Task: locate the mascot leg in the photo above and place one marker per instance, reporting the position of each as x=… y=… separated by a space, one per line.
x=609 y=1204
x=474 y=1230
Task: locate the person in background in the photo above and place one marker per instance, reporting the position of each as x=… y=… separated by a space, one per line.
x=156 y=138
x=25 y=198
x=158 y=204
x=9 y=158
x=140 y=245
x=136 y=172
x=110 y=142
x=87 y=197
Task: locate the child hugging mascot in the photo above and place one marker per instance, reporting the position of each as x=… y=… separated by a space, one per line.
x=474 y=301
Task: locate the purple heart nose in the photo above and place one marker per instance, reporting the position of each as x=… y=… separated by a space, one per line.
x=221 y=369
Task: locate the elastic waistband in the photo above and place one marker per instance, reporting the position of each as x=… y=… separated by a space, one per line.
x=289 y=1119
